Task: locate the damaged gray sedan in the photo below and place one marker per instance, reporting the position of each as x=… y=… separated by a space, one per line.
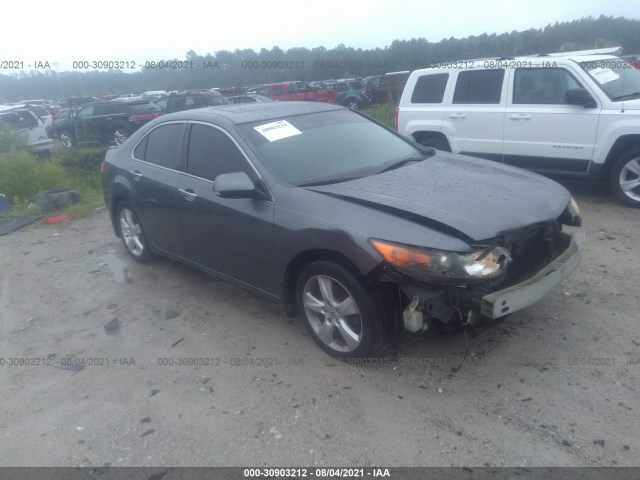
x=353 y=227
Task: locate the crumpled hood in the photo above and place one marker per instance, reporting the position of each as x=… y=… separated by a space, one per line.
x=478 y=198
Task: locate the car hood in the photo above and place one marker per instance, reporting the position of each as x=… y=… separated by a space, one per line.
x=471 y=198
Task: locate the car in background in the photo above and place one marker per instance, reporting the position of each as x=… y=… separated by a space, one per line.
x=24 y=120
x=42 y=113
x=249 y=98
x=387 y=87
x=350 y=93
x=359 y=230
x=187 y=101
x=108 y=122
x=72 y=102
x=154 y=94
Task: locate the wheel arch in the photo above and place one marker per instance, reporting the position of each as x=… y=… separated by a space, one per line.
x=296 y=265
x=621 y=146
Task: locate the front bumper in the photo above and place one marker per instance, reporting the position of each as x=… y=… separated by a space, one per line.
x=526 y=293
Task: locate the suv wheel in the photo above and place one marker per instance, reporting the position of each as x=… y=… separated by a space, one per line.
x=352 y=104
x=66 y=139
x=436 y=143
x=625 y=178
x=340 y=313
x=120 y=135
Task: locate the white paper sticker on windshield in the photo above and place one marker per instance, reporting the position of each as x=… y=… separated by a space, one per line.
x=277 y=130
x=604 y=75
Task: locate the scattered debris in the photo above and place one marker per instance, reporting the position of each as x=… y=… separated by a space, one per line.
x=177 y=342
x=147 y=432
x=112 y=325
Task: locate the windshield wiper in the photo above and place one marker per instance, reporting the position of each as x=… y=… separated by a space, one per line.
x=401 y=163
x=328 y=181
x=626 y=96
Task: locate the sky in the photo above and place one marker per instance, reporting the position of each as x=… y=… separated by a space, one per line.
x=140 y=30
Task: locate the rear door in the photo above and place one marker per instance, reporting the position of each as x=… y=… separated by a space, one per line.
x=153 y=175
x=474 y=115
x=541 y=131
x=233 y=236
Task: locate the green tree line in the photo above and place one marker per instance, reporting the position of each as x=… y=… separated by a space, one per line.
x=248 y=67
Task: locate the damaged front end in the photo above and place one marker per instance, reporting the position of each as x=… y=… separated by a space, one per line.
x=498 y=277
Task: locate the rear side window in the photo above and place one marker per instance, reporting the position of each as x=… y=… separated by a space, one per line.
x=479 y=86
x=20 y=120
x=163 y=145
x=430 y=88
x=212 y=153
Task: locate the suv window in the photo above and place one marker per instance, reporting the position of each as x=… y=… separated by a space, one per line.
x=107 y=109
x=542 y=85
x=430 y=88
x=162 y=145
x=85 y=112
x=141 y=108
x=20 y=119
x=479 y=86
x=212 y=153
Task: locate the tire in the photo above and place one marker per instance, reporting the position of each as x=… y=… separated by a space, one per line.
x=436 y=143
x=341 y=314
x=132 y=234
x=625 y=178
x=67 y=139
x=352 y=104
x=119 y=135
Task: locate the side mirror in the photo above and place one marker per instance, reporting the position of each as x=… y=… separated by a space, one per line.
x=580 y=96
x=234 y=185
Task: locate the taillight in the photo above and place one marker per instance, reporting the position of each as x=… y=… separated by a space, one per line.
x=396 y=119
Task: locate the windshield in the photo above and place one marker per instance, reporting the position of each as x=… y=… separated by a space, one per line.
x=617 y=78
x=327 y=147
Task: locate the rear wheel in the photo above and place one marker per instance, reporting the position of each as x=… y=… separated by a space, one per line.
x=436 y=143
x=340 y=313
x=66 y=139
x=132 y=233
x=625 y=178
x=120 y=134
x=352 y=104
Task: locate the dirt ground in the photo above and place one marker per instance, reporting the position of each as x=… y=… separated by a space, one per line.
x=110 y=379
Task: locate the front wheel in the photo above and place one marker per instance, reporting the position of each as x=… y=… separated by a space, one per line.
x=132 y=234
x=625 y=178
x=340 y=313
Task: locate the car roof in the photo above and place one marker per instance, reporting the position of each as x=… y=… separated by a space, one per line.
x=253 y=112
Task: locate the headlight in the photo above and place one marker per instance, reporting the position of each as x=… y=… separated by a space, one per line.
x=442 y=266
x=571 y=215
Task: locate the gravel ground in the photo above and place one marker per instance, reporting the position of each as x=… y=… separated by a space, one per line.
x=111 y=380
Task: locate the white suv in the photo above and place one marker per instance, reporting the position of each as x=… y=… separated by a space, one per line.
x=21 y=118
x=561 y=115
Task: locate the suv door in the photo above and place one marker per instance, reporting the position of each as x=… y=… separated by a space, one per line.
x=474 y=115
x=541 y=131
x=233 y=236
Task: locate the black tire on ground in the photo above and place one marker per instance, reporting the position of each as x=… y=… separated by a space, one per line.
x=352 y=104
x=436 y=143
x=50 y=200
x=624 y=178
x=132 y=233
x=340 y=312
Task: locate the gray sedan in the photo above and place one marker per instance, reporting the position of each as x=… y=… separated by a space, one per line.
x=358 y=230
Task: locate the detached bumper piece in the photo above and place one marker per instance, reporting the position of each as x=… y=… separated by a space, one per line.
x=526 y=293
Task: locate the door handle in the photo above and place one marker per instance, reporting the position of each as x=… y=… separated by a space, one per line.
x=457 y=115
x=135 y=174
x=521 y=116
x=188 y=194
